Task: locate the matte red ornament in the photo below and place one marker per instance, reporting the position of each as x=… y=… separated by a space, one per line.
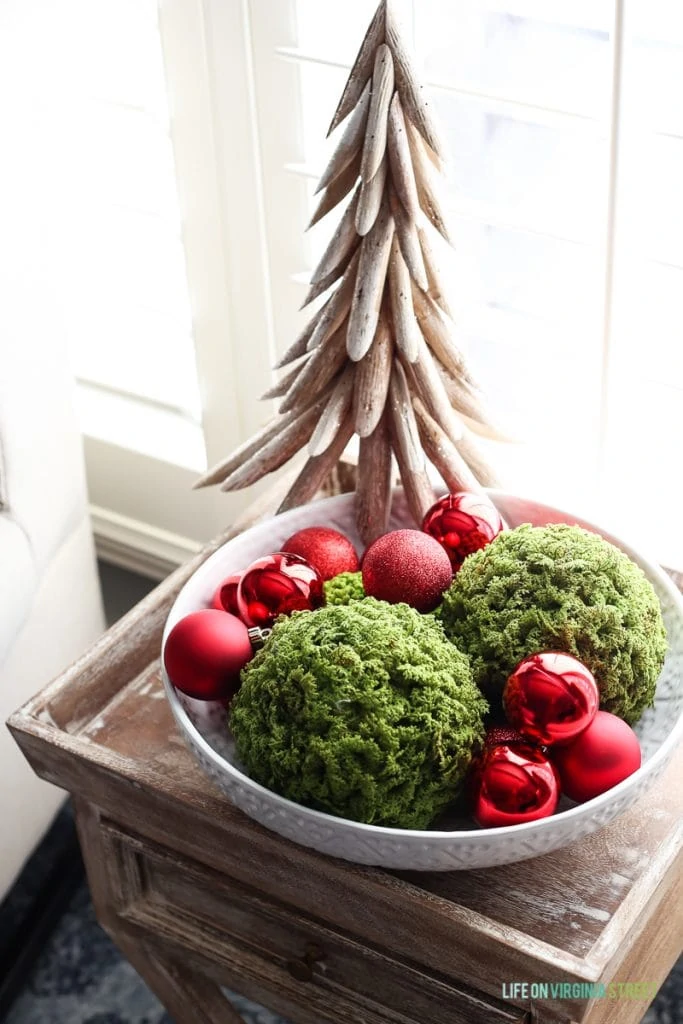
x=225 y=598
x=205 y=653
x=499 y=734
x=278 y=584
x=551 y=697
x=328 y=550
x=463 y=523
x=514 y=784
x=409 y=566
x=604 y=754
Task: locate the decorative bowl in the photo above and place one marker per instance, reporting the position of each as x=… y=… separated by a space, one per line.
x=204 y=726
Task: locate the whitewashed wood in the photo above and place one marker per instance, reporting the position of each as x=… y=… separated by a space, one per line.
x=407 y=447
x=438 y=332
x=428 y=384
x=324 y=364
x=373 y=373
x=469 y=402
x=400 y=160
x=278 y=450
x=335 y=412
x=405 y=326
x=416 y=484
x=339 y=249
x=372 y=273
x=442 y=453
x=317 y=468
x=284 y=384
x=371 y=195
x=351 y=142
x=435 y=284
x=336 y=191
x=413 y=97
x=406 y=230
x=338 y=306
x=375 y=143
x=223 y=469
x=484 y=473
x=374 y=484
x=362 y=68
x=427 y=190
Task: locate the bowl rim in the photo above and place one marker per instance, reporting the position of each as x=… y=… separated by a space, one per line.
x=467 y=836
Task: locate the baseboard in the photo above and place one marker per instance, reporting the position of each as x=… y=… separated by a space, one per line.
x=137 y=546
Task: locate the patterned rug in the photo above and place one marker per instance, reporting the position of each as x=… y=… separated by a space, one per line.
x=80 y=978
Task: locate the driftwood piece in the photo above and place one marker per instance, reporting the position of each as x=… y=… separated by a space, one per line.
x=338 y=253
x=476 y=461
x=325 y=363
x=438 y=333
x=442 y=453
x=334 y=413
x=278 y=450
x=405 y=326
x=428 y=194
x=283 y=385
x=373 y=374
x=406 y=229
x=371 y=195
x=413 y=97
x=435 y=289
x=351 y=142
x=403 y=422
x=337 y=307
x=316 y=469
x=299 y=347
x=400 y=160
x=373 y=483
x=337 y=190
x=418 y=489
x=470 y=404
x=362 y=68
x=429 y=385
x=375 y=143
x=372 y=272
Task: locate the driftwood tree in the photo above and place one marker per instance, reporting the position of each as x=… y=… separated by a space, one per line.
x=379 y=358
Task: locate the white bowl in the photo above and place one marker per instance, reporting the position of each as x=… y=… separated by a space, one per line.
x=203 y=724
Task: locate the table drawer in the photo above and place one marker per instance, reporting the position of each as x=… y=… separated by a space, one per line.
x=258 y=946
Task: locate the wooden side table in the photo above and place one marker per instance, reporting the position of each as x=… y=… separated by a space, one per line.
x=199 y=897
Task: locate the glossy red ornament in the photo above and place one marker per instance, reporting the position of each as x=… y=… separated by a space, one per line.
x=513 y=784
x=409 y=566
x=551 y=697
x=605 y=753
x=225 y=598
x=499 y=734
x=328 y=550
x=205 y=653
x=275 y=585
x=463 y=523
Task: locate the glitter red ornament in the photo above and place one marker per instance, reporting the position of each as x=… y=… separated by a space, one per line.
x=512 y=784
x=225 y=598
x=463 y=523
x=408 y=566
x=550 y=697
x=205 y=653
x=328 y=550
x=278 y=584
x=604 y=754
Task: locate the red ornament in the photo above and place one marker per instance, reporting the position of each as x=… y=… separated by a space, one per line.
x=328 y=550
x=551 y=697
x=463 y=523
x=499 y=734
x=277 y=585
x=605 y=753
x=408 y=566
x=513 y=784
x=225 y=598
x=205 y=653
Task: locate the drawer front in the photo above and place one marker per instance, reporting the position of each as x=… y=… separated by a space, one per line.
x=254 y=945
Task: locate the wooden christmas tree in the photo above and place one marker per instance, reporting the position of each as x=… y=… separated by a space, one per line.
x=379 y=358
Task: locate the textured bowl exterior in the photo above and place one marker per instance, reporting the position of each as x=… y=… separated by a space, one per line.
x=203 y=724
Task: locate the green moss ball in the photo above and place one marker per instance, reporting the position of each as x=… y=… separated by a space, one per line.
x=365 y=711
x=559 y=588
x=347 y=586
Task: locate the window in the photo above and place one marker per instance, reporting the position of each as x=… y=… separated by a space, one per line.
x=564 y=127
